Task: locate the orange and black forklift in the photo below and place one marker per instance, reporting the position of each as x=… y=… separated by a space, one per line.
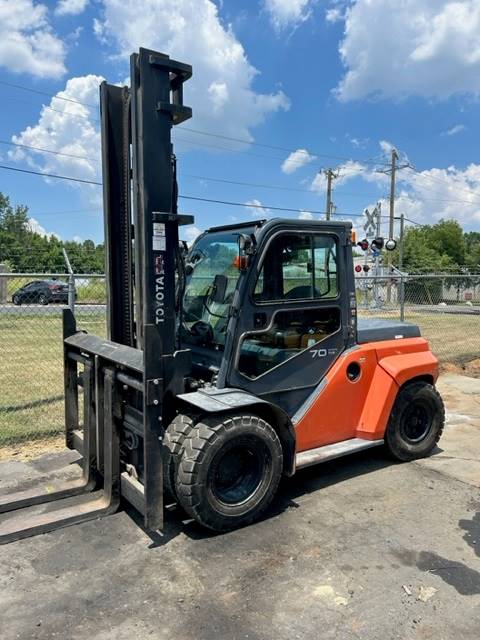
x=225 y=366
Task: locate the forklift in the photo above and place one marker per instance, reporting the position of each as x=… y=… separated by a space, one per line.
x=226 y=366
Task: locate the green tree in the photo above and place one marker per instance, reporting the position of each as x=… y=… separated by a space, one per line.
x=27 y=251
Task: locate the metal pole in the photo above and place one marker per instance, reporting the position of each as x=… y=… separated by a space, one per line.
x=392 y=192
x=400 y=267
x=330 y=176
x=376 y=271
x=71 y=282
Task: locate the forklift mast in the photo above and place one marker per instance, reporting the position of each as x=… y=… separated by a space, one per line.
x=128 y=380
x=139 y=174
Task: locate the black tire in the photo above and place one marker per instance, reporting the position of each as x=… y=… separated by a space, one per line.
x=16 y=300
x=42 y=299
x=173 y=441
x=416 y=422
x=229 y=471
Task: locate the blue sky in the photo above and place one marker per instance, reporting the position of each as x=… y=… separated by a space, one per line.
x=336 y=83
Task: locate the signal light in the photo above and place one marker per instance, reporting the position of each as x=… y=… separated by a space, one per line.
x=363 y=244
x=358 y=268
x=366 y=268
x=391 y=245
x=378 y=243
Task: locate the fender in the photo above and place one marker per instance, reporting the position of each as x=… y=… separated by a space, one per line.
x=230 y=400
x=404 y=367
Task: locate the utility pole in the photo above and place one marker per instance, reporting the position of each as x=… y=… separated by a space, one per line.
x=393 y=171
x=331 y=175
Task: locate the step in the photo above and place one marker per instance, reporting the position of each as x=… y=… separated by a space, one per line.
x=332 y=451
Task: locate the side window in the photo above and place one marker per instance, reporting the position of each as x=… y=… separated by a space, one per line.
x=325 y=261
x=291 y=333
x=298 y=267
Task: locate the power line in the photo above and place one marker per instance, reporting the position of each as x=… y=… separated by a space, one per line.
x=44 y=93
x=258 y=185
x=56 y=153
x=442 y=181
x=50 y=175
x=271 y=146
x=65 y=113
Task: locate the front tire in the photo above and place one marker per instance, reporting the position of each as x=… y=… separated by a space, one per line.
x=229 y=471
x=173 y=441
x=416 y=422
x=42 y=299
x=16 y=301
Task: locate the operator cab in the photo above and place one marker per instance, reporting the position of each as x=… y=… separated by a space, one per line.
x=267 y=305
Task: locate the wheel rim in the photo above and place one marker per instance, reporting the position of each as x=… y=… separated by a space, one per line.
x=416 y=423
x=237 y=472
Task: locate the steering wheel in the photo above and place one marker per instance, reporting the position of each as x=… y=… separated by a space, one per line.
x=202 y=330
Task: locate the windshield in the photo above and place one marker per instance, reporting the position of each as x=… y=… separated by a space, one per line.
x=216 y=254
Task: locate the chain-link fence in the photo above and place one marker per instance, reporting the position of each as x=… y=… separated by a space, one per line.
x=31 y=362
x=447 y=309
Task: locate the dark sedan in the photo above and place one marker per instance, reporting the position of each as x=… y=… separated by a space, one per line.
x=42 y=292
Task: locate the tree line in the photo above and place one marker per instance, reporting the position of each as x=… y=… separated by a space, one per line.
x=440 y=248
x=24 y=250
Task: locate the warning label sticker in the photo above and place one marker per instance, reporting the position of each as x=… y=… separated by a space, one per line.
x=158 y=236
x=159 y=243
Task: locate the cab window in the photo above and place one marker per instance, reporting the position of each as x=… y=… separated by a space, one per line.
x=298 y=267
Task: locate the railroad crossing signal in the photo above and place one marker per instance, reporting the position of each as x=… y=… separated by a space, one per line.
x=370 y=226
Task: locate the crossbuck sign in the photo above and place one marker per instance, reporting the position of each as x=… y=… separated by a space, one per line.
x=370 y=226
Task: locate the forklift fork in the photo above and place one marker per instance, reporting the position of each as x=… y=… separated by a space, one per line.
x=72 y=502
x=51 y=490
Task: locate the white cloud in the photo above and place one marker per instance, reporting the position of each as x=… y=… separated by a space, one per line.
x=71 y=131
x=27 y=43
x=392 y=49
x=441 y=193
x=305 y=215
x=287 y=12
x=334 y=15
x=296 y=160
x=34 y=226
x=256 y=208
x=345 y=172
x=429 y=195
x=221 y=91
x=189 y=233
x=458 y=128
x=386 y=147
x=70 y=7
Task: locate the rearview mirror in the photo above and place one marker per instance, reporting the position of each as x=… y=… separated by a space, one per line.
x=219 y=289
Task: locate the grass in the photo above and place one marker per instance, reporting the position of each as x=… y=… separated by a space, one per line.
x=31 y=374
x=452 y=337
x=31 y=367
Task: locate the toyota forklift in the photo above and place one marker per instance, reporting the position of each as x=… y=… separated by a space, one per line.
x=225 y=366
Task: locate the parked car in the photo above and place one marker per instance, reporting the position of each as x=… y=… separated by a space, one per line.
x=42 y=292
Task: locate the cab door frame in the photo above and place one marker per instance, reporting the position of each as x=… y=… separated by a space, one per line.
x=289 y=383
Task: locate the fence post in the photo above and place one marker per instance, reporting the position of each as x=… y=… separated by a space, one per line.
x=71 y=282
x=402 y=299
x=3 y=283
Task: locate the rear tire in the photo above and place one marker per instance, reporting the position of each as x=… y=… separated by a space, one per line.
x=416 y=422
x=16 y=301
x=173 y=440
x=229 y=471
x=42 y=299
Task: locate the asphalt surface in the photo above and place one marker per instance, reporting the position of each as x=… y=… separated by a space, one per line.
x=358 y=548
